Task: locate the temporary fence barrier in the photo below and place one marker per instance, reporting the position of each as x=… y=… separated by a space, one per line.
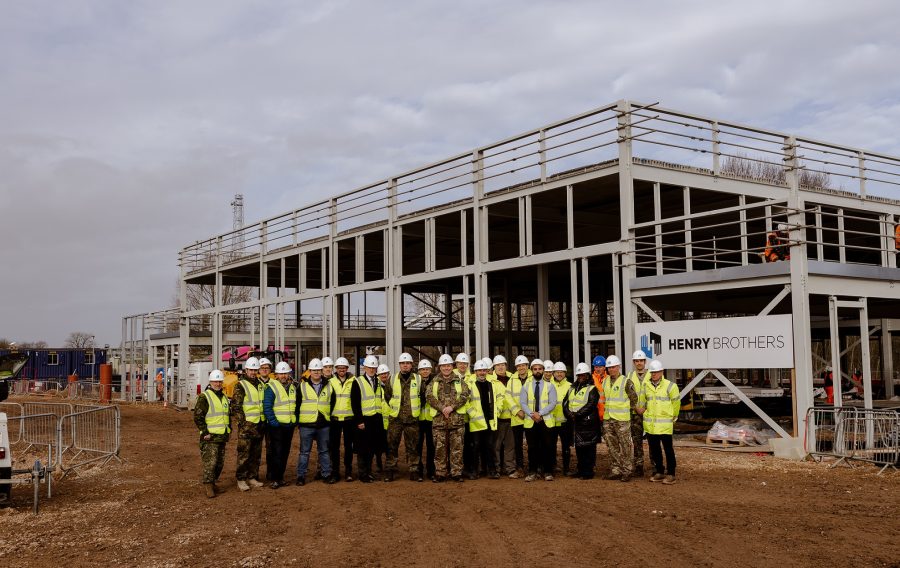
x=37 y=388
x=849 y=433
x=58 y=409
x=96 y=436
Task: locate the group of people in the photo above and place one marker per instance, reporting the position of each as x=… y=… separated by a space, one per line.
x=463 y=421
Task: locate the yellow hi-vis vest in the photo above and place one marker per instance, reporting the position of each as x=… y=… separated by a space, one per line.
x=549 y=420
x=343 y=410
x=424 y=413
x=662 y=403
x=285 y=404
x=311 y=405
x=434 y=391
x=394 y=405
x=217 y=419
x=477 y=420
x=578 y=398
x=513 y=388
x=370 y=399
x=562 y=391
x=618 y=406
x=253 y=397
x=638 y=381
x=508 y=408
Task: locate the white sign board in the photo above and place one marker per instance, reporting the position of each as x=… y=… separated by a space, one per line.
x=762 y=342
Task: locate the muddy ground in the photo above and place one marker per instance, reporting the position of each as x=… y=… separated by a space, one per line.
x=726 y=510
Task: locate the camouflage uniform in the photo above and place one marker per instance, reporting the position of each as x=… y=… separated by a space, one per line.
x=212 y=451
x=637 y=427
x=250 y=436
x=620 y=438
x=405 y=425
x=448 y=432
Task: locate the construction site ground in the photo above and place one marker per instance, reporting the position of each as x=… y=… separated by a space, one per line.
x=727 y=509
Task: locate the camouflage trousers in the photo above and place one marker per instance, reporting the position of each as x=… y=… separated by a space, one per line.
x=448 y=446
x=410 y=433
x=212 y=457
x=637 y=440
x=249 y=455
x=621 y=446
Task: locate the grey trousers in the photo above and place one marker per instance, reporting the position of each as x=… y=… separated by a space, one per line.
x=504 y=447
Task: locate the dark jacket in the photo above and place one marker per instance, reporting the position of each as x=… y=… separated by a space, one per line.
x=586 y=419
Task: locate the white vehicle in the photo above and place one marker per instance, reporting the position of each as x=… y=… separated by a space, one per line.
x=10 y=367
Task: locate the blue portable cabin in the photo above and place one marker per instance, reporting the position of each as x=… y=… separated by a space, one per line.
x=56 y=364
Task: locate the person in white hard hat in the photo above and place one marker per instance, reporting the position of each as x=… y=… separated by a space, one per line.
x=447 y=399
x=538 y=399
x=211 y=415
x=370 y=427
x=507 y=408
x=313 y=416
x=343 y=418
x=563 y=426
x=581 y=410
x=404 y=406
x=426 y=436
x=482 y=423
x=517 y=423
x=327 y=369
x=462 y=366
x=265 y=370
x=280 y=410
x=662 y=401
x=251 y=425
x=637 y=377
x=381 y=448
x=620 y=398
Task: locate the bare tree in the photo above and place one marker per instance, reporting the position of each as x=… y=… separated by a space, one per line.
x=743 y=166
x=201 y=296
x=41 y=344
x=4 y=343
x=80 y=340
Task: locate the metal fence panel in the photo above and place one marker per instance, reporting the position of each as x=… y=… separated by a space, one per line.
x=96 y=436
x=860 y=434
x=41 y=430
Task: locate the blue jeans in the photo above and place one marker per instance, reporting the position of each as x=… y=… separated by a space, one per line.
x=307 y=435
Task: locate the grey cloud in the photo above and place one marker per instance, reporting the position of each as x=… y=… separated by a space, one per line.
x=125 y=128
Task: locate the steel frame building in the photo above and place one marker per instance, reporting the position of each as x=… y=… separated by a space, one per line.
x=557 y=241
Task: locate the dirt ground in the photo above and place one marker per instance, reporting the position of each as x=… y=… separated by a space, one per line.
x=726 y=510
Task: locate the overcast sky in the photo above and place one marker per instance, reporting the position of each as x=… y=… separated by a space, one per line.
x=127 y=127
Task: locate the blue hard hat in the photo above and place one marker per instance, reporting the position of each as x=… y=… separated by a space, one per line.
x=599 y=361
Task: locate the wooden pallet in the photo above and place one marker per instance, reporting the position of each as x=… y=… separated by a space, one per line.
x=726 y=443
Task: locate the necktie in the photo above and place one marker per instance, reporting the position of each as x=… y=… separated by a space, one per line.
x=537 y=396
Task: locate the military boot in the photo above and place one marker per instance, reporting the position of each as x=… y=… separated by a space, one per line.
x=254 y=482
x=210 y=492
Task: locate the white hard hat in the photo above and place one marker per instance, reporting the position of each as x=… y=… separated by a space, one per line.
x=537 y=362
x=424 y=364
x=559 y=366
x=582 y=369
x=656 y=366
x=264 y=361
x=548 y=365
x=382 y=369
x=445 y=360
x=342 y=362
x=252 y=363
x=521 y=360
x=638 y=355
x=216 y=375
x=282 y=367
x=462 y=358
x=405 y=358
x=370 y=361
x=487 y=362
x=315 y=365
x=612 y=361
x=480 y=365
x=327 y=362
x=501 y=360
